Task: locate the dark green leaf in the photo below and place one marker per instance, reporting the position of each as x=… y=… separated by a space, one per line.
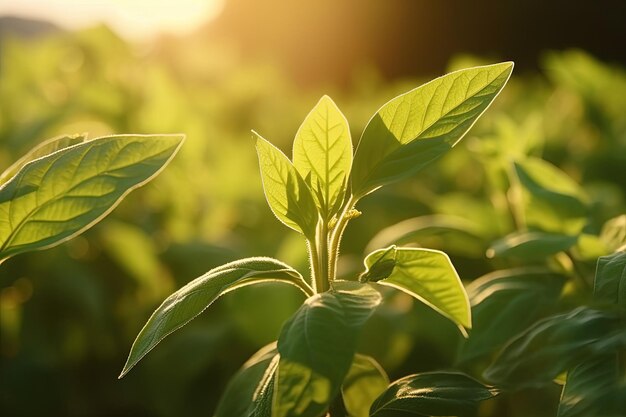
x=425 y=274
x=239 y=399
x=505 y=303
x=55 y=197
x=192 y=299
x=555 y=344
x=593 y=389
x=531 y=245
x=317 y=346
x=365 y=381
x=610 y=283
x=419 y=126
x=432 y=394
x=287 y=194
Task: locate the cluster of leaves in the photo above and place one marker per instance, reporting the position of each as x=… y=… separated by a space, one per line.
x=313 y=368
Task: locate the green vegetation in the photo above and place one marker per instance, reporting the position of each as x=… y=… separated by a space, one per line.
x=530 y=210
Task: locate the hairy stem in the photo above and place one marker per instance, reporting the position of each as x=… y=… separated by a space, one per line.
x=323 y=278
x=335 y=237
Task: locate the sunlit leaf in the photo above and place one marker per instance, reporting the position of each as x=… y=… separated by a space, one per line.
x=365 y=381
x=244 y=391
x=317 y=346
x=592 y=389
x=555 y=344
x=322 y=153
x=43 y=149
x=505 y=303
x=192 y=299
x=552 y=201
x=610 y=282
x=56 y=197
x=287 y=194
x=613 y=233
x=531 y=245
x=432 y=394
x=425 y=274
x=419 y=126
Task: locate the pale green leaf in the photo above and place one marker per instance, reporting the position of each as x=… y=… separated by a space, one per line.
x=56 y=197
x=552 y=201
x=610 y=282
x=505 y=303
x=365 y=381
x=531 y=245
x=593 y=389
x=425 y=274
x=287 y=194
x=432 y=394
x=192 y=299
x=555 y=344
x=45 y=148
x=246 y=391
x=322 y=153
x=419 y=126
x=317 y=346
x=613 y=233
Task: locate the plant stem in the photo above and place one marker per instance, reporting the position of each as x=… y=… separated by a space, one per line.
x=335 y=237
x=322 y=280
x=314 y=262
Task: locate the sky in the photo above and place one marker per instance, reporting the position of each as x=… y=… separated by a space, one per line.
x=135 y=19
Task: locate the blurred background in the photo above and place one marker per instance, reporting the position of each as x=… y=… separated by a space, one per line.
x=215 y=69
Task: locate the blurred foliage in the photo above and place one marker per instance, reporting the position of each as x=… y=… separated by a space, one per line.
x=69 y=315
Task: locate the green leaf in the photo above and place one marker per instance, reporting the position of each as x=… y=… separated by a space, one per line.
x=425 y=274
x=322 y=153
x=613 y=233
x=365 y=381
x=192 y=299
x=531 y=245
x=287 y=194
x=610 y=282
x=54 y=198
x=552 y=201
x=244 y=392
x=317 y=346
x=504 y=303
x=432 y=394
x=419 y=126
x=45 y=148
x=592 y=389
x=555 y=344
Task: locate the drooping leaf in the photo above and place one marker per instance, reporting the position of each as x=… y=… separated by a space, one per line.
x=317 y=346
x=610 y=282
x=239 y=399
x=432 y=394
x=365 y=381
x=593 y=389
x=287 y=194
x=53 y=198
x=531 y=245
x=555 y=344
x=552 y=201
x=504 y=303
x=192 y=299
x=419 y=126
x=425 y=274
x=322 y=153
x=45 y=148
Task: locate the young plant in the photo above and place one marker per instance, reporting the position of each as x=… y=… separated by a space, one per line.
x=67 y=184
x=313 y=369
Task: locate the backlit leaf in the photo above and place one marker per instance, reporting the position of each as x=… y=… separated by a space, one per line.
x=531 y=245
x=419 y=126
x=287 y=194
x=425 y=274
x=56 y=197
x=192 y=299
x=365 y=381
x=317 y=347
x=432 y=394
x=322 y=153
